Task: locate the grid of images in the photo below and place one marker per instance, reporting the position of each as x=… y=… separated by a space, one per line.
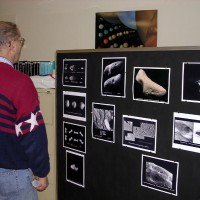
x=74 y=75
x=149 y=84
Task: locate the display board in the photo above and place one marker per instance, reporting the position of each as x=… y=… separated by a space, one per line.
x=128 y=124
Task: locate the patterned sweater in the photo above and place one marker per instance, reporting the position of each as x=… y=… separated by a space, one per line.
x=23 y=139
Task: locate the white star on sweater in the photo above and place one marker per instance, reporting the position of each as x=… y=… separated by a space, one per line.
x=18 y=128
x=32 y=121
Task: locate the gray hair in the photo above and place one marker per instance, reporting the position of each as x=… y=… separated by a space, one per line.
x=8 y=31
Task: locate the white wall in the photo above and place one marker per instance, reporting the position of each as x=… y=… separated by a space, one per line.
x=50 y=25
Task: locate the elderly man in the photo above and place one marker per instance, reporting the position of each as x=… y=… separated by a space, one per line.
x=23 y=139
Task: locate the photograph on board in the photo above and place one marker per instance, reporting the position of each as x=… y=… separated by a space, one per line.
x=74 y=137
x=74 y=105
x=186 y=132
x=191 y=82
x=139 y=133
x=75 y=168
x=74 y=73
x=159 y=174
x=103 y=122
x=113 y=77
x=151 y=84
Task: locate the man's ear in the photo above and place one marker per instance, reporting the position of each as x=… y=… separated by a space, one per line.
x=12 y=45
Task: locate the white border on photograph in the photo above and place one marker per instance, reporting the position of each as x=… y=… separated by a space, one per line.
x=183 y=73
x=149 y=100
x=156 y=187
x=112 y=105
x=124 y=84
x=85 y=73
x=185 y=145
x=139 y=146
x=84 y=137
x=83 y=157
x=71 y=116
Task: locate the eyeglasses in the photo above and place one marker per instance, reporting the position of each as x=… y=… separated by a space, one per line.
x=22 y=41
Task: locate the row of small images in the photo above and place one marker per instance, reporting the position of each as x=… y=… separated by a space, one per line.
x=149 y=83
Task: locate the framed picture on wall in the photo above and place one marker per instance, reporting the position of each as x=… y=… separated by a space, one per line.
x=123 y=29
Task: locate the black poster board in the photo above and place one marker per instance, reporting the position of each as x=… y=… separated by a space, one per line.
x=124 y=167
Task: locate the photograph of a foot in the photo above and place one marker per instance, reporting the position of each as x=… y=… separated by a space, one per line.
x=151 y=84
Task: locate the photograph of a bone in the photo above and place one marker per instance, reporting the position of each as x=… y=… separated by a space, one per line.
x=151 y=84
x=103 y=122
x=191 y=82
x=186 y=132
x=113 y=76
x=159 y=174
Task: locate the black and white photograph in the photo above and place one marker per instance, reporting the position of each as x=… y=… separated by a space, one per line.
x=113 y=78
x=103 y=122
x=74 y=105
x=191 y=82
x=151 y=84
x=74 y=137
x=160 y=174
x=139 y=133
x=186 y=132
x=74 y=73
x=75 y=168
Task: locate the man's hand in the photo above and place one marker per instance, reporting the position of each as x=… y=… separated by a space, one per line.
x=43 y=183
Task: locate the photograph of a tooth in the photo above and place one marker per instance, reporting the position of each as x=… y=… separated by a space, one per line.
x=151 y=84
